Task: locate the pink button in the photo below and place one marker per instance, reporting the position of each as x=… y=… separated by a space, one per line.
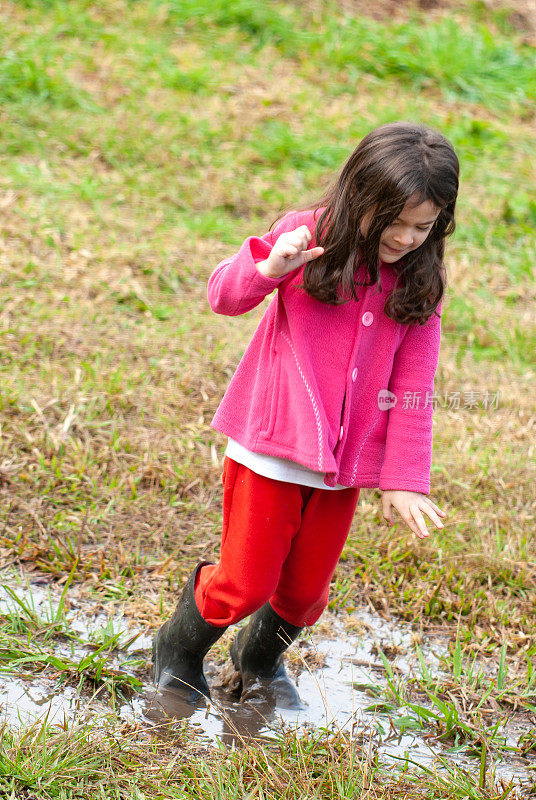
x=341 y=432
x=368 y=318
x=354 y=374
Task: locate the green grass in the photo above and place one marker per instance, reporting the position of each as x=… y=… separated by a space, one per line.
x=114 y=763
x=476 y=65
x=28 y=638
x=466 y=708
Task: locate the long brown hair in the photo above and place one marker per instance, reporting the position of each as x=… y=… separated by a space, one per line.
x=392 y=164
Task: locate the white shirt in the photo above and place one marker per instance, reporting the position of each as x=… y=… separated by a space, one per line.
x=280 y=469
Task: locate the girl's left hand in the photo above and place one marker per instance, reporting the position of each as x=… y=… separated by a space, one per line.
x=410 y=505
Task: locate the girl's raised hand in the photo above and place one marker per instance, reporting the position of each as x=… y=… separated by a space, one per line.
x=410 y=505
x=288 y=253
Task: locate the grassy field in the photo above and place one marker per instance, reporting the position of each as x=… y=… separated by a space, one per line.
x=140 y=143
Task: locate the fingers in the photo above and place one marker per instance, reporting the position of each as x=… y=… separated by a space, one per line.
x=288 y=250
x=412 y=513
x=307 y=255
x=304 y=234
x=294 y=241
x=436 y=507
x=292 y=246
x=431 y=511
x=386 y=510
x=416 y=522
x=313 y=253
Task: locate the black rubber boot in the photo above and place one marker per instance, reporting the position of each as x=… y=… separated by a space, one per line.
x=256 y=653
x=180 y=646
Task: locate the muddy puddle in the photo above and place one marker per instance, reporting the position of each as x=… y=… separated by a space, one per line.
x=342 y=670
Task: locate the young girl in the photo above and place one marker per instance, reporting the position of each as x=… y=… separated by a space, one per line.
x=334 y=393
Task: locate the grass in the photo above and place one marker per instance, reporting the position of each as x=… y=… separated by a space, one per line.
x=29 y=640
x=88 y=671
x=141 y=142
x=111 y=761
x=463 y=706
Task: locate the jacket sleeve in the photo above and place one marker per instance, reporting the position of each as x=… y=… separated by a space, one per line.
x=408 y=448
x=236 y=285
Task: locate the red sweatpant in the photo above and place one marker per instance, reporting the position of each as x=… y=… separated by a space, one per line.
x=280 y=542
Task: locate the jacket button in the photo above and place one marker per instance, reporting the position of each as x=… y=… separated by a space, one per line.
x=341 y=432
x=368 y=318
x=354 y=374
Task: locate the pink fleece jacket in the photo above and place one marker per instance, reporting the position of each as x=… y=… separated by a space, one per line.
x=340 y=389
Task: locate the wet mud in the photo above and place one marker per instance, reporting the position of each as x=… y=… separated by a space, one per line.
x=341 y=670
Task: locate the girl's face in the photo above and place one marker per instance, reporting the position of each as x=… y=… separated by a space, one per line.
x=408 y=231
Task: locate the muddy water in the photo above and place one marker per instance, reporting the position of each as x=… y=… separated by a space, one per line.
x=332 y=701
x=332 y=670
x=328 y=694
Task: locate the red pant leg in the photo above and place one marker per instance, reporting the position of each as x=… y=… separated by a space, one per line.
x=303 y=589
x=280 y=541
x=260 y=519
